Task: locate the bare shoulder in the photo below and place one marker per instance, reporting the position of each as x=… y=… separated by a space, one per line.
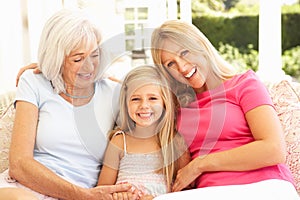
x=118 y=140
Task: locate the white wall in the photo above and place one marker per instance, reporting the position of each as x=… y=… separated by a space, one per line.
x=10 y=43
x=19 y=36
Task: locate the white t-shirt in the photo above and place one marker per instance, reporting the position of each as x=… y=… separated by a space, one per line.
x=71 y=141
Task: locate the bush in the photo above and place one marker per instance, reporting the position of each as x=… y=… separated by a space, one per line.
x=291 y=62
x=244 y=59
x=241 y=60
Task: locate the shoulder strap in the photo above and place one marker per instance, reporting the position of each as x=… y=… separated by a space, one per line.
x=124 y=139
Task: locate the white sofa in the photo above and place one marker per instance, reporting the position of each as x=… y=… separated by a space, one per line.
x=285 y=95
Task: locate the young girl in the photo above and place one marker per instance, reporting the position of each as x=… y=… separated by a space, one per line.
x=146 y=151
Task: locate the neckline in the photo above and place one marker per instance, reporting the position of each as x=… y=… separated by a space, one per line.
x=80 y=97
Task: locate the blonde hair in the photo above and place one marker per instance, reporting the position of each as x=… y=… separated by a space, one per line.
x=190 y=37
x=65 y=31
x=166 y=128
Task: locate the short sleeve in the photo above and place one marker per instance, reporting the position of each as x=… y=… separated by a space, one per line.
x=252 y=92
x=27 y=88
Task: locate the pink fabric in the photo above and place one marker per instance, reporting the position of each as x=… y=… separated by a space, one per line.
x=216 y=122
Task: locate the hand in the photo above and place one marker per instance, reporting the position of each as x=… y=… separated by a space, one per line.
x=147 y=197
x=114 y=79
x=185 y=177
x=111 y=192
x=132 y=194
x=30 y=66
x=125 y=196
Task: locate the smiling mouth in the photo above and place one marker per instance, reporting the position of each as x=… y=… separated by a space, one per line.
x=86 y=76
x=145 y=115
x=191 y=73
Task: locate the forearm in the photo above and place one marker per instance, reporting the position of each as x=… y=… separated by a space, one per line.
x=40 y=179
x=108 y=176
x=251 y=156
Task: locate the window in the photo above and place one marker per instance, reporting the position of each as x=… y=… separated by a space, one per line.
x=136 y=19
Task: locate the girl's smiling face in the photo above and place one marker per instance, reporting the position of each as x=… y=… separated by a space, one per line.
x=145 y=105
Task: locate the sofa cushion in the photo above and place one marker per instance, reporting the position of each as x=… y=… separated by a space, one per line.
x=285 y=96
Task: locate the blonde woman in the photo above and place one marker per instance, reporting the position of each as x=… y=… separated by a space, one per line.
x=227 y=119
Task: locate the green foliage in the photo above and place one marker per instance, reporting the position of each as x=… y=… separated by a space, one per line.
x=291 y=62
x=239 y=31
x=290 y=30
x=230 y=3
x=244 y=59
x=244 y=10
x=241 y=60
x=294 y=8
x=228 y=8
x=234 y=32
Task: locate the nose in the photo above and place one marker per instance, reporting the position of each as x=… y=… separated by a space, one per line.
x=88 y=64
x=144 y=103
x=182 y=64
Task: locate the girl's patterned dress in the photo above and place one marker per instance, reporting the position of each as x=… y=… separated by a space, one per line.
x=141 y=170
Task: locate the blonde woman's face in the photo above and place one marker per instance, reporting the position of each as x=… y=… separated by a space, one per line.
x=145 y=105
x=80 y=67
x=185 y=66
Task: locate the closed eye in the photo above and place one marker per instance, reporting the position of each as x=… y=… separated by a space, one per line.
x=78 y=60
x=95 y=55
x=135 y=99
x=153 y=98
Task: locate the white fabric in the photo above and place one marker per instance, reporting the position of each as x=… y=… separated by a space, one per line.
x=273 y=189
x=71 y=140
x=141 y=170
x=7 y=183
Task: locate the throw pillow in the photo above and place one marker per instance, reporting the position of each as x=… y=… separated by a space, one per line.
x=287 y=105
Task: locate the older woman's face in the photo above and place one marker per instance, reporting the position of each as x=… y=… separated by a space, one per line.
x=81 y=66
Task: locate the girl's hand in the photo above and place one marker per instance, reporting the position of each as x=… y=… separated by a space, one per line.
x=132 y=194
x=111 y=192
x=125 y=196
x=147 y=197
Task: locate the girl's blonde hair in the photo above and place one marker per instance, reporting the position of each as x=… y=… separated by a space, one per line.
x=65 y=31
x=189 y=37
x=166 y=128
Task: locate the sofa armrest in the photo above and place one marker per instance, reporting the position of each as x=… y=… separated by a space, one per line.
x=7 y=112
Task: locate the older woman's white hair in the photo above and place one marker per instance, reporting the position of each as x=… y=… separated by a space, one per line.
x=62 y=33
